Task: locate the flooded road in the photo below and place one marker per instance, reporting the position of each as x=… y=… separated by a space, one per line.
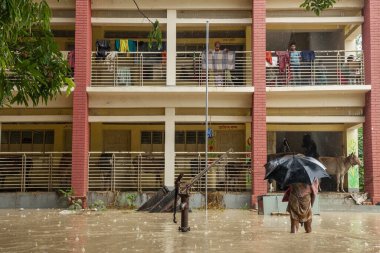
x=225 y=231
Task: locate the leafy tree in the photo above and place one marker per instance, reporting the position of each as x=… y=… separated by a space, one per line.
x=31 y=65
x=317 y=6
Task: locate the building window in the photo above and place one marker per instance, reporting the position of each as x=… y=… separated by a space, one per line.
x=146 y=137
x=35 y=140
x=179 y=137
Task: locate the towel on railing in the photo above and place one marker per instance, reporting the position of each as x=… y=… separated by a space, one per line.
x=125 y=45
x=308 y=56
x=219 y=60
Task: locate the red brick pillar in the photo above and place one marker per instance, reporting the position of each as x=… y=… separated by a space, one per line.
x=371 y=46
x=259 y=134
x=82 y=77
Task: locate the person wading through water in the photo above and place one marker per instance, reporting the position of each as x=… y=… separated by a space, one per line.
x=300 y=199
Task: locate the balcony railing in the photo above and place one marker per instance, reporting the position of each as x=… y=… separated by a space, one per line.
x=230 y=175
x=191 y=70
x=328 y=68
x=126 y=171
x=23 y=172
x=125 y=69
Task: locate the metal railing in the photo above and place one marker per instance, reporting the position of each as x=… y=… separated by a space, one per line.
x=126 y=171
x=230 y=175
x=191 y=70
x=328 y=68
x=125 y=69
x=34 y=171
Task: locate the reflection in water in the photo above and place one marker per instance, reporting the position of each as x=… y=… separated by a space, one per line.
x=228 y=231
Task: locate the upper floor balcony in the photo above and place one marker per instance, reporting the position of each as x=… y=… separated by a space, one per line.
x=228 y=69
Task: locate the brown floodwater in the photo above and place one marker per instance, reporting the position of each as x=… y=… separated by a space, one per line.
x=222 y=231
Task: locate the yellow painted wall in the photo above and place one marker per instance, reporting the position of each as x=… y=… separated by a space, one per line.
x=97 y=129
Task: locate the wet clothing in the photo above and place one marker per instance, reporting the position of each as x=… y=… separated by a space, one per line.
x=301 y=198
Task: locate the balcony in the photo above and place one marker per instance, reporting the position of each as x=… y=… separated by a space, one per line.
x=328 y=68
x=149 y=69
x=140 y=171
x=127 y=69
x=191 y=70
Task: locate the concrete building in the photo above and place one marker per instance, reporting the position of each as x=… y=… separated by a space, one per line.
x=136 y=118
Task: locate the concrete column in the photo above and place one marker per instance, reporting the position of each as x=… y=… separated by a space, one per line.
x=371 y=127
x=0 y=136
x=169 y=146
x=82 y=77
x=171 y=47
x=352 y=147
x=259 y=132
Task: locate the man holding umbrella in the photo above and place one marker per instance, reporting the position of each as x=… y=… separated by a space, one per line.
x=300 y=174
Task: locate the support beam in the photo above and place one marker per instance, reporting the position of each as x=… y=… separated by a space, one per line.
x=259 y=134
x=171 y=47
x=169 y=147
x=82 y=76
x=352 y=146
x=371 y=131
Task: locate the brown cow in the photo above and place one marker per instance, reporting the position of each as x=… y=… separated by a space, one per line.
x=339 y=167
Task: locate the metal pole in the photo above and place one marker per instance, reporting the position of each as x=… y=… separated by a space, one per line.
x=206 y=121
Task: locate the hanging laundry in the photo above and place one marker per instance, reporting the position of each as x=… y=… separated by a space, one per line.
x=132 y=45
x=71 y=59
x=110 y=60
x=219 y=60
x=284 y=66
x=308 y=56
x=102 y=47
x=268 y=57
x=124 y=46
x=117 y=45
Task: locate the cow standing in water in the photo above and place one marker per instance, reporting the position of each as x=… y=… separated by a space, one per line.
x=339 y=166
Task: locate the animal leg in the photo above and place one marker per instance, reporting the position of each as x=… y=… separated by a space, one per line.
x=342 y=183
x=337 y=182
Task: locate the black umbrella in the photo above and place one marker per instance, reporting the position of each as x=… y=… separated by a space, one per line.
x=292 y=169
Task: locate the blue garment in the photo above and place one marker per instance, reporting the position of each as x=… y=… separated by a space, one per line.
x=308 y=56
x=132 y=45
x=295 y=58
x=117 y=45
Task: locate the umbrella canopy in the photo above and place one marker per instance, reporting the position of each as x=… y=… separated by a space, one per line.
x=292 y=169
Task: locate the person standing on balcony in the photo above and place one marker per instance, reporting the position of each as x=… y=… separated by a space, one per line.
x=351 y=70
x=295 y=63
x=218 y=75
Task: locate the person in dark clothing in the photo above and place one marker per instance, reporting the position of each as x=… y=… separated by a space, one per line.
x=310 y=147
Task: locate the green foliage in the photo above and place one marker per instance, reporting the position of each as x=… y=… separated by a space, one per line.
x=98 y=205
x=31 y=65
x=131 y=200
x=72 y=203
x=76 y=204
x=317 y=6
x=155 y=35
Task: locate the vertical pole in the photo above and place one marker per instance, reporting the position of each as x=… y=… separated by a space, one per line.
x=206 y=120
x=169 y=147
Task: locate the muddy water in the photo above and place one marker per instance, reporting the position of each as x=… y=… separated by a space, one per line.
x=224 y=231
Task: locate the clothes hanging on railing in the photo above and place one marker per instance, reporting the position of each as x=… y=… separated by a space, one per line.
x=308 y=56
x=123 y=76
x=268 y=57
x=71 y=59
x=102 y=47
x=110 y=60
x=284 y=66
x=219 y=60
